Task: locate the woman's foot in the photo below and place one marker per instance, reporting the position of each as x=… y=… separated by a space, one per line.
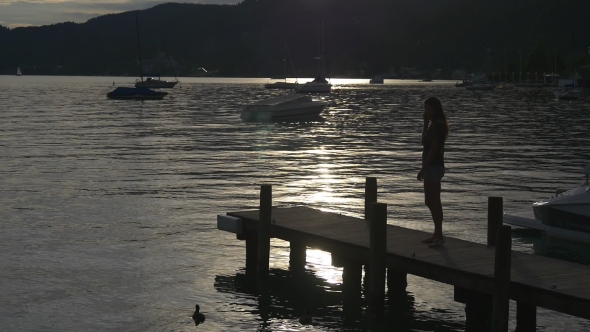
x=437 y=242
x=428 y=240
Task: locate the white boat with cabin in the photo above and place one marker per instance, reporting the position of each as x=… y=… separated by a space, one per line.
x=154 y=83
x=283 y=107
x=566 y=214
x=318 y=85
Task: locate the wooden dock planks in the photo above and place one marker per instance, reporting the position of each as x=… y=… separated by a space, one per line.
x=550 y=283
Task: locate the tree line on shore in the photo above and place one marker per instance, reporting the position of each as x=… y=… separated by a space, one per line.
x=362 y=38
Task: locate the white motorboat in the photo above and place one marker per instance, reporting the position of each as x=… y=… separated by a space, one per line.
x=568 y=94
x=566 y=214
x=283 y=107
x=155 y=83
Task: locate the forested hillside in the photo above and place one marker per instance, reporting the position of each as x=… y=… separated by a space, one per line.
x=362 y=37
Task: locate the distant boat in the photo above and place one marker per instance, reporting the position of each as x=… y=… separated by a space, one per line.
x=319 y=84
x=158 y=83
x=570 y=92
x=154 y=83
x=377 y=79
x=567 y=94
x=283 y=107
x=285 y=84
x=18 y=72
x=137 y=93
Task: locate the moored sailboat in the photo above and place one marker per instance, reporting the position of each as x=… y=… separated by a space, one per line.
x=137 y=93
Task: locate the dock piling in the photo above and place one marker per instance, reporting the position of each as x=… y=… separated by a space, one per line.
x=378 y=248
x=264 y=232
x=251 y=255
x=495 y=218
x=526 y=317
x=502 y=268
x=297 y=255
x=370 y=195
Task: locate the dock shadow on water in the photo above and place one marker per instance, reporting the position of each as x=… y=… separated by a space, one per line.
x=289 y=293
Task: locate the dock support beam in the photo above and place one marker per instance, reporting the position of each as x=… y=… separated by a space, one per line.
x=251 y=255
x=264 y=233
x=502 y=279
x=370 y=195
x=495 y=218
x=297 y=255
x=526 y=317
x=378 y=248
x=478 y=309
x=351 y=288
x=396 y=281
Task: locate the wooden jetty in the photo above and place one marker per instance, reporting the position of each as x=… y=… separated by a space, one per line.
x=485 y=277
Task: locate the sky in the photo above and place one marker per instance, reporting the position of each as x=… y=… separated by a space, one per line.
x=17 y=13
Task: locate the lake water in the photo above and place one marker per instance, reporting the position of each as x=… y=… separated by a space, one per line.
x=108 y=214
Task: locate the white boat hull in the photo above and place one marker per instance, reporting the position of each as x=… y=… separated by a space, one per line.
x=304 y=111
x=283 y=107
x=526 y=221
x=156 y=84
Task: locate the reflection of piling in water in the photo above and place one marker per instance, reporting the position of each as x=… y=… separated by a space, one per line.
x=483 y=276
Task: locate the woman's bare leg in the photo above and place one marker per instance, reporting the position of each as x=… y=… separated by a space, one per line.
x=432 y=199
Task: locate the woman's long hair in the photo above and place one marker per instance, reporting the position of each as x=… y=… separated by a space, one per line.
x=439 y=113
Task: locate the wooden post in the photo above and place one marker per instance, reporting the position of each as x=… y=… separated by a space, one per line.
x=502 y=279
x=351 y=288
x=251 y=255
x=478 y=309
x=378 y=251
x=264 y=232
x=526 y=317
x=297 y=255
x=495 y=218
x=370 y=195
x=396 y=281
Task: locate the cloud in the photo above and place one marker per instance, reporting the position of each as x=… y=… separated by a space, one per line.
x=43 y=12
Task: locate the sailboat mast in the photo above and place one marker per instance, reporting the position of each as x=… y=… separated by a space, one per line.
x=167 y=55
x=285 y=59
x=323 y=52
x=139 y=48
x=573 y=56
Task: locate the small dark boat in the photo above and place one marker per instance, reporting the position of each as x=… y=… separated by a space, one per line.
x=139 y=93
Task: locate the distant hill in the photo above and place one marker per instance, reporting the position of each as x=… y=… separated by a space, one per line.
x=363 y=38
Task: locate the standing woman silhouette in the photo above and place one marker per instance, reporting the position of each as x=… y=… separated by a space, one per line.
x=434 y=135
